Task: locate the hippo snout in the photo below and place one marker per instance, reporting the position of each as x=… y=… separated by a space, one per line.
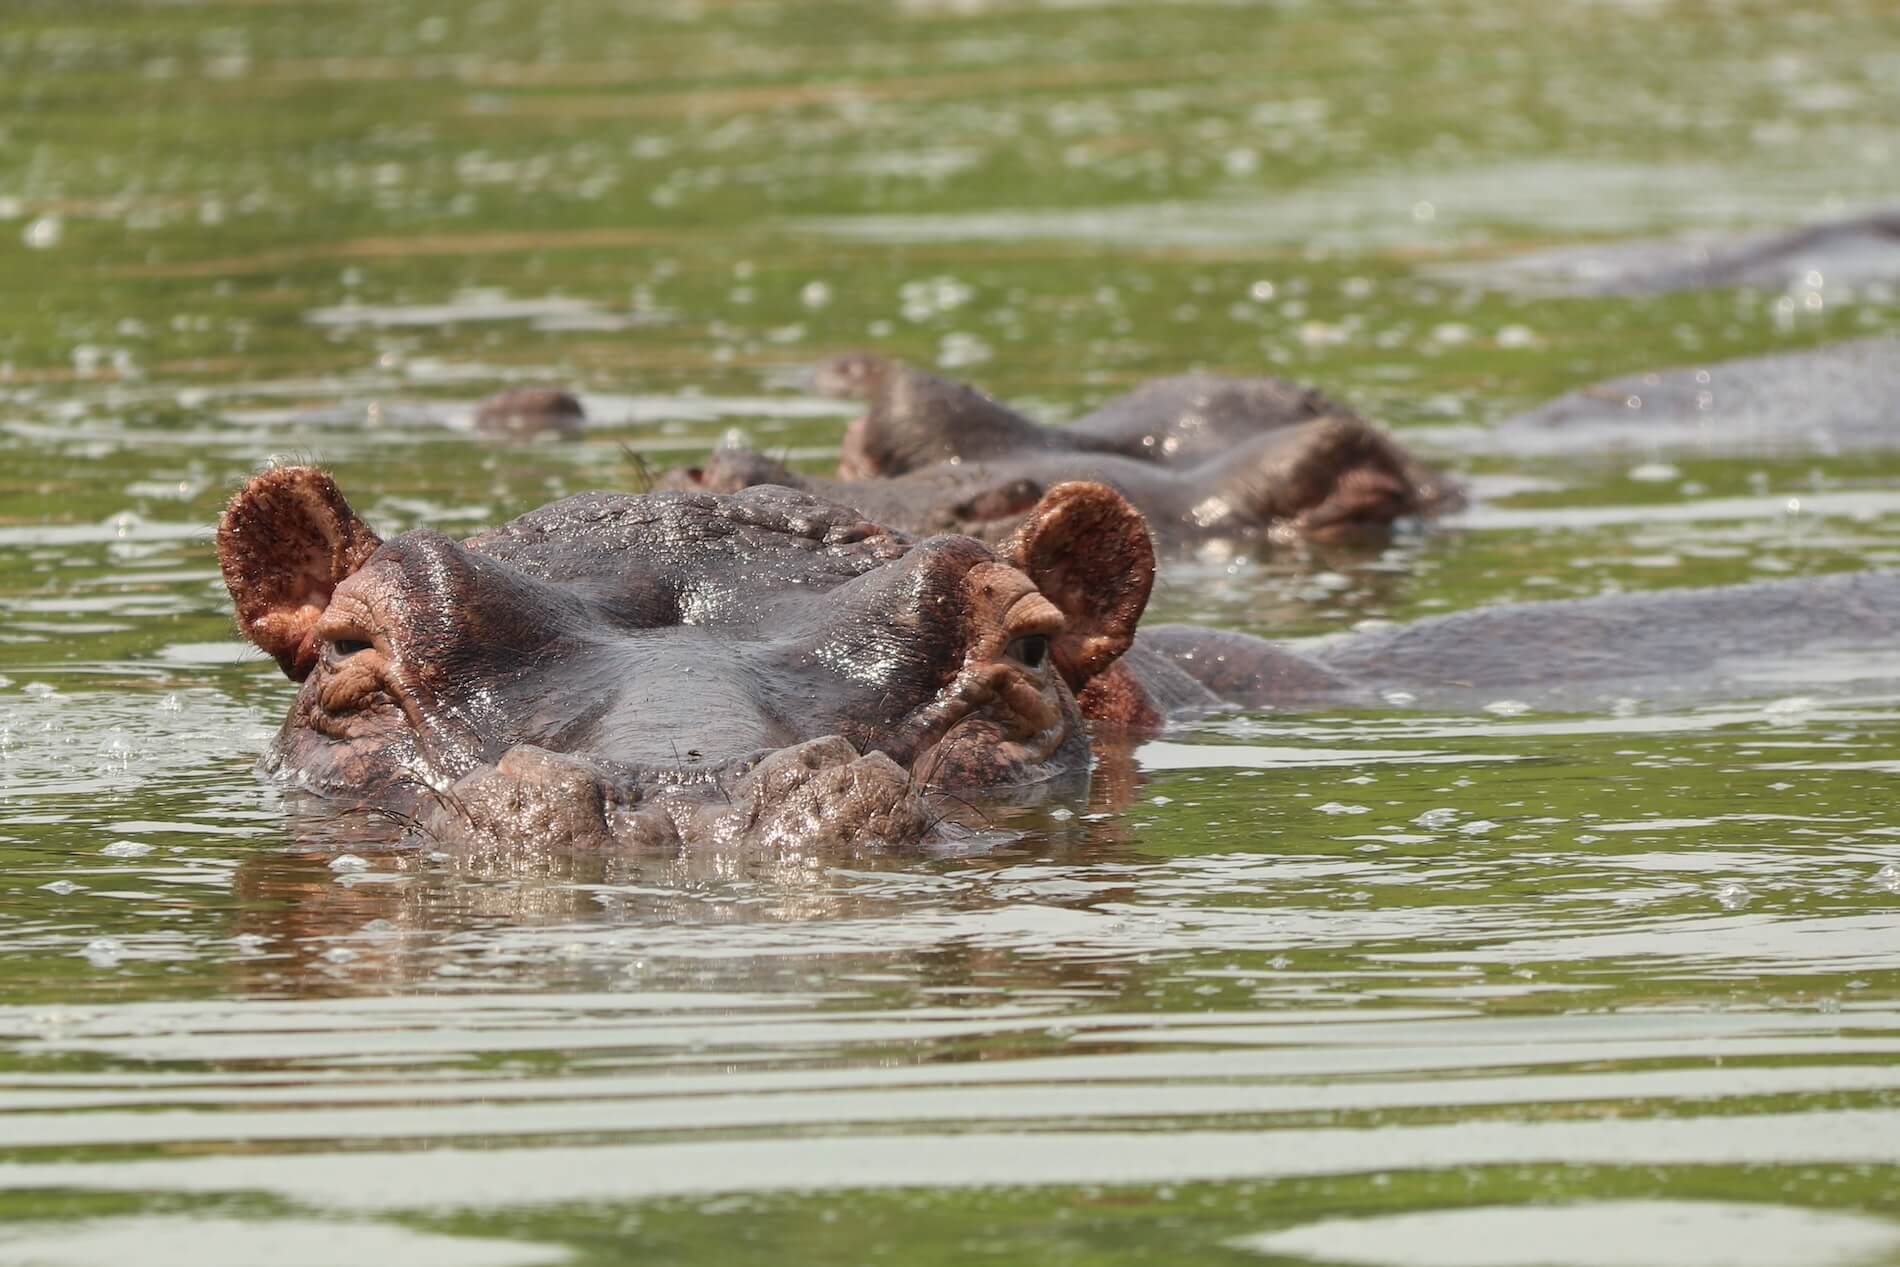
x=820 y=792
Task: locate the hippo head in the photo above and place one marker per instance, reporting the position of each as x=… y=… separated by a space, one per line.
x=616 y=670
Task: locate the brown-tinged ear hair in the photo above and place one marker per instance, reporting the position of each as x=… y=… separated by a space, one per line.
x=1090 y=554
x=286 y=541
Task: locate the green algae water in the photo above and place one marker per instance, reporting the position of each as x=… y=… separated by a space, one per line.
x=1369 y=988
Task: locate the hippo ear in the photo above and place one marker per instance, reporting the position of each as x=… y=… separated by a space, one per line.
x=1090 y=554
x=286 y=540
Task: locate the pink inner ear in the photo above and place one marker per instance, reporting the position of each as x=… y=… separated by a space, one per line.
x=286 y=541
x=1089 y=552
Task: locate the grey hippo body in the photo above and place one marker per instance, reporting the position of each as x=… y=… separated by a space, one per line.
x=1842 y=397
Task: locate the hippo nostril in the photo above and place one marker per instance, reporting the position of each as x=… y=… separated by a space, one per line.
x=1030 y=651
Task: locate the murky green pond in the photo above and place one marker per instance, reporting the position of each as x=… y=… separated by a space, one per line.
x=1502 y=988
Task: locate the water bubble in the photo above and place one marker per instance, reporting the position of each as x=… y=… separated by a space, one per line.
x=249 y=943
x=1261 y=291
x=1733 y=895
x=116 y=748
x=1477 y=827
x=1444 y=816
x=126 y=849
x=1888 y=878
x=1653 y=473
x=1507 y=707
x=347 y=863
x=339 y=954
x=61 y=887
x=44 y=233
x=814 y=294
x=958 y=349
x=1424 y=212
x=1399 y=699
x=103 y=952
x=1339 y=807
x=1515 y=336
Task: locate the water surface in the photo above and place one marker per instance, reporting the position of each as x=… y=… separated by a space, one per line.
x=1386 y=986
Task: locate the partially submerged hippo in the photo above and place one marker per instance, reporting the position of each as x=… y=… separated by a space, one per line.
x=914 y=419
x=1837 y=398
x=529 y=413
x=769 y=668
x=1830 y=257
x=1199 y=456
x=624 y=670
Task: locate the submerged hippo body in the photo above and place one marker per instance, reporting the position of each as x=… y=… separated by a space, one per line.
x=1199 y=456
x=621 y=670
x=1841 y=397
x=1825 y=258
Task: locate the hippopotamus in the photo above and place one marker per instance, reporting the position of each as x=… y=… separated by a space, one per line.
x=1199 y=456
x=527 y=413
x=1836 y=398
x=914 y=419
x=768 y=668
x=1825 y=258
x=681 y=668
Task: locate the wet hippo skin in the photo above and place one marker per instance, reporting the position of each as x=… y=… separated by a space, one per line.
x=1837 y=398
x=1199 y=456
x=613 y=670
x=676 y=670
x=914 y=419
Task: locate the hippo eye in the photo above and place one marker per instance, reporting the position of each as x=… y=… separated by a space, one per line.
x=347 y=647
x=1030 y=651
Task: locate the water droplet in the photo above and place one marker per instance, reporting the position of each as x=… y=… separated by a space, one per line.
x=1888 y=878
x=103 y=952
x=44 y=233
x=1733 y=895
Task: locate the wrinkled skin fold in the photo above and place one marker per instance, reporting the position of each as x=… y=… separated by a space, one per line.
x=677 y=669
